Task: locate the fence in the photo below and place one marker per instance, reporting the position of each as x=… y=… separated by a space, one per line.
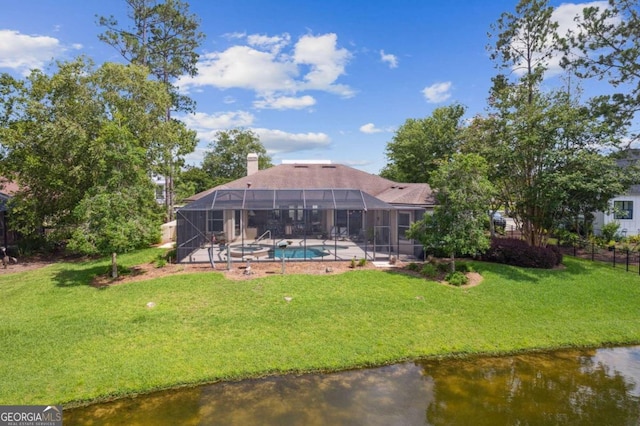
x=618 y=258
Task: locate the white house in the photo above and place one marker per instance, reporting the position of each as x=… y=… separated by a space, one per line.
x=626 y=207
x=626 y=212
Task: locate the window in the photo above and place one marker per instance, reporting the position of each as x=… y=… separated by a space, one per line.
x=404 y=221
x=623 y=209
x=215 y=221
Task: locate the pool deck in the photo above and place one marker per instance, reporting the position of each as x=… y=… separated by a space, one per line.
x=337 y=250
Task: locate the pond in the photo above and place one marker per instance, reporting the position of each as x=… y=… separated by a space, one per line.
x=581 y=387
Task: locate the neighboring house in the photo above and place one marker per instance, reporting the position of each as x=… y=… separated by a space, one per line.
x=7 y=189
x=308 y=204
x=626 y=207
x=626 y=212
x=160 y=188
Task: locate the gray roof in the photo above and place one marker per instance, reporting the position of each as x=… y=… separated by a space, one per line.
x=270 y=199
x=331 y=176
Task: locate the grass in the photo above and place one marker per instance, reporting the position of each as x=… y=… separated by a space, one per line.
x=66 y=342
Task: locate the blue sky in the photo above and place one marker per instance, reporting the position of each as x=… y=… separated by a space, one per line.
x=329 y=80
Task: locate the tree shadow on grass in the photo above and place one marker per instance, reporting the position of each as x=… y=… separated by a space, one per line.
x=510 y=273
x=78 y=275
x=529 y=275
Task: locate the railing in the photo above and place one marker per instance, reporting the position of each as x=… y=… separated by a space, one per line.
x=262 y=237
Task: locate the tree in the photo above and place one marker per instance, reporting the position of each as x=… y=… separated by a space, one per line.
x=606 y=45
x=419 y=145
x=542 y=148
x=119 y=213
x=79 y=140
x=463 y=193
x=192 y=180
x=483 y=137
x=164 y=38
x=227 y=159
x=526 y=41
x=541 y=137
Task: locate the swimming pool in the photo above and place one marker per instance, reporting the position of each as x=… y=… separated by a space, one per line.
x=325 y=247
x=297 y=253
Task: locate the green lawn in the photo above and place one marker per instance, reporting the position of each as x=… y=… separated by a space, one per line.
x=63 y=341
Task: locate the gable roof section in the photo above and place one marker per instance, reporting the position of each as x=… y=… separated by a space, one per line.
x=409 y=194
x=329 y=176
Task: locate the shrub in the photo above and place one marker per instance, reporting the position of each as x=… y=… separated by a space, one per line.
x=429 y=270
x=567 y=238
x=610 y=230
x=556 y=251
x=171 y=255
x=464 y=267
x=362 y=262
x=457 y=278
x=633 y=239
x=519 y=253
x=443 y=266
x=413 y=267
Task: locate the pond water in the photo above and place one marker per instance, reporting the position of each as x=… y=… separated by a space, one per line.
x=575 y=387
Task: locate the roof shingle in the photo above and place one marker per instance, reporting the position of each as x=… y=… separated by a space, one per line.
x=333 y=176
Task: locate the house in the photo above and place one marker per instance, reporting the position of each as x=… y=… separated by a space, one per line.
x=7 y=189
x=320 y=209
x=626 y=212
x=160 y=186
x=626 y=207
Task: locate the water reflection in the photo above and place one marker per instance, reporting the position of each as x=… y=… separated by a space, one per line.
x=569 y=387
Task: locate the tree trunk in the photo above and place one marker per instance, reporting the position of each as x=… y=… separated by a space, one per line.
x=114 y=266
x=453 y=262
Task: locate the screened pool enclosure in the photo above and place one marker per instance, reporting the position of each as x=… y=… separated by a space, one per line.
x=269 y=224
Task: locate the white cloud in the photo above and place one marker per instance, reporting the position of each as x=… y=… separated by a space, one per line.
x=564 y=15
x=275 y=141
x=21 y=52
x=195 y=158
x=273 y=44
x=279 y=142
x=263 y=66
x=245 y=68
x=206 y=125
x=371 y=128
x=438 y=92
x=327 y=62
x=222 y=120
x=236 y=35
x=392 y=60
x=285 y=102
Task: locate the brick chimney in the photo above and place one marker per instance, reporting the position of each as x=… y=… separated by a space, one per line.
x=252 y=163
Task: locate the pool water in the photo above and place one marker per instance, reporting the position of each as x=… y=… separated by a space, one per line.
x=326 y=247
x=297 y=253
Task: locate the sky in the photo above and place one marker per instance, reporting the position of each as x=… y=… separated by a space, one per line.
x=315 y=80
